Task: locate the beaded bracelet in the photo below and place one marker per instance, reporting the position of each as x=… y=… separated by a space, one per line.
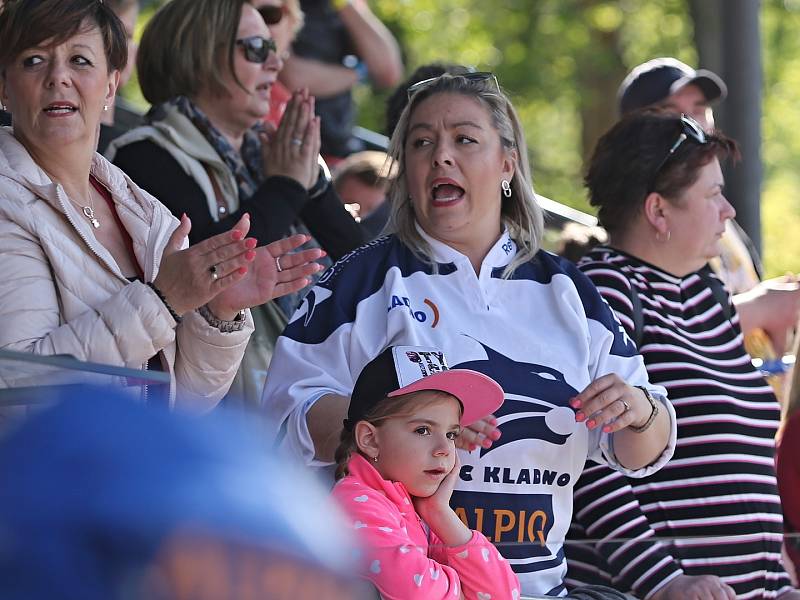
x=163 y=299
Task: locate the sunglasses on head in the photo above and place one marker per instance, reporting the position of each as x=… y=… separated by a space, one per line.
x=690 y=130
x=257 y=48
x=475 y=76
x=272 y=14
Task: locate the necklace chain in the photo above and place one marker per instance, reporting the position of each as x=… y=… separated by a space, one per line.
x=87 y=211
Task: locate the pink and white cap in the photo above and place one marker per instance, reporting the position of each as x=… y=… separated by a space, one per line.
x=405 y=369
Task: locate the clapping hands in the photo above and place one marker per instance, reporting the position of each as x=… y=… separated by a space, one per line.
x=228 y=272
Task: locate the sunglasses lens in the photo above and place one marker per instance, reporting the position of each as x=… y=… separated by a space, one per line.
x=271 y=14
x=256 y=48
x=693 y=129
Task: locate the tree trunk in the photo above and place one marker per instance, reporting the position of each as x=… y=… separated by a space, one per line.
x=741 y=118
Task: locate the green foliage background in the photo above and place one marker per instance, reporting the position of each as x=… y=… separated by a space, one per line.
x=561 y=61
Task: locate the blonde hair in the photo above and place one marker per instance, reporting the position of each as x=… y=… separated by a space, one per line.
x=388 y=408
x=295 y=13
x=520 y=213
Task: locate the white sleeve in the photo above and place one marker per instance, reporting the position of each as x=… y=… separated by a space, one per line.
x=321 y=352
x=612 y=351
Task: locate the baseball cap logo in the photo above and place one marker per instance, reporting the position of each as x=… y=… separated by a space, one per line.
x=428 y=362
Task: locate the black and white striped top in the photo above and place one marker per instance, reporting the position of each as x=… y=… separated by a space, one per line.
x=721 y=481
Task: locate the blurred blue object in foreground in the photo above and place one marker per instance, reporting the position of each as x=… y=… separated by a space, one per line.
x=101 y=498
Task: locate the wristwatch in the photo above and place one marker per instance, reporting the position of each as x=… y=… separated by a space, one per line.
x=653 y=411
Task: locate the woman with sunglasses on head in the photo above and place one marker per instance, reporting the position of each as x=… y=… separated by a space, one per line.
x=463 y=271
x=95 y=267
x=656 y=180
x=208 y=66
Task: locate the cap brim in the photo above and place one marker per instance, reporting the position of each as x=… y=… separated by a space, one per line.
x=479 y=394
x=710 y=84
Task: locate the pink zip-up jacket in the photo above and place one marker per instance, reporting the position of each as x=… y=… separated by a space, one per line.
x=402 y=558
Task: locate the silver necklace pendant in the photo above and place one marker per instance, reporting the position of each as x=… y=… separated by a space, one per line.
x=88 y=212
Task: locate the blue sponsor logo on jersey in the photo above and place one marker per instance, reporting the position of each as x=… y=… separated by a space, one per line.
x=429 y=315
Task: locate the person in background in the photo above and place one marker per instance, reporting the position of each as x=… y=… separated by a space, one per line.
x=768 y=310
x=657 y=182
x=341 y=44
x=106 y=499
x=284 y=19
x=121 y=116
x=208 y=66
x=576 y=240
x=787 y=465
x=462 y=269
x=362 y=181
x=95 y=267
x=396 y=468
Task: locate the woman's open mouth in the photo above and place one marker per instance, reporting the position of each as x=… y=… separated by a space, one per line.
x=446 y=194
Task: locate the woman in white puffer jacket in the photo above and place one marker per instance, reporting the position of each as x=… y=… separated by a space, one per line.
x=93 y=266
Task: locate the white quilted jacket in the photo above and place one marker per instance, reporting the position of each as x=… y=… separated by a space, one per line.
x=61 y=292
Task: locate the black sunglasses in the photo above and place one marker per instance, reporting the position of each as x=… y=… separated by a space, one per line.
x=690 y=130
x=476 y=76
x=272 y=14
x=257 y=48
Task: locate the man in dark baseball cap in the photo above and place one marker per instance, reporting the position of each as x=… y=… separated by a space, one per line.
x=675 y=85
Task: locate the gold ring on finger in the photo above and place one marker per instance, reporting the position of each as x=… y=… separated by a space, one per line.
x=626 y=405
x=278 y=263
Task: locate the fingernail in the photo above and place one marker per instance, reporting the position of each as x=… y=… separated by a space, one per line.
x=579 y=417
x=495 y=435
x=237 y=235
x=487 y=443
x=591 y=423
x=575 y=403
x=250 y=255
x=242 y=270
x=250 y=243
x=472 y=447
x=607 y=429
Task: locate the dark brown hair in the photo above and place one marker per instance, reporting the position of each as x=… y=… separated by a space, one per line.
x=187 y=47
x=27 y=24
x=625 y=164
x=397 y=406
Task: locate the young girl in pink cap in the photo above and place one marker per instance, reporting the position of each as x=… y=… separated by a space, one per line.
x=396 y=468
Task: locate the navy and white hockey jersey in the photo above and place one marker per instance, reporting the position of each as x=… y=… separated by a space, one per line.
x=544 y=335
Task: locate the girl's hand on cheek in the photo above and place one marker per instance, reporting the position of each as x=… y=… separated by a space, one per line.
x=439 y=501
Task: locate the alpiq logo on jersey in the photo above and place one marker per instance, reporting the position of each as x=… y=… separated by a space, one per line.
x=429 y=315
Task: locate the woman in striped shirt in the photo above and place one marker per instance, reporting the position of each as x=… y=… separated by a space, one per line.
x=657 y=181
